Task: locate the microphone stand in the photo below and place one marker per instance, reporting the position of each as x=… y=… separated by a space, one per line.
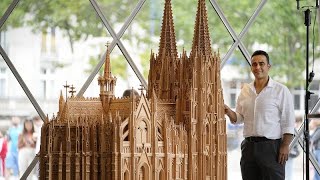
x=307 y=23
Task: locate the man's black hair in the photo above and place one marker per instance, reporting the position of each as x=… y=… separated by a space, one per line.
x=260 y=52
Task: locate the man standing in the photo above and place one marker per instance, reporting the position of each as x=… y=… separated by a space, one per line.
x=266 y=109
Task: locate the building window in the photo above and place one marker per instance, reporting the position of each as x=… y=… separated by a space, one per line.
x=233 y=93
x=46 y=83
x=233 y=85
x=43 y=71
x=48 y=42
x=2 y=87
x=3 y=40
x=232 y=100
x=3 y=81
x=142 y=133
x=43 y=88
x=297 y=102
x=3 y=70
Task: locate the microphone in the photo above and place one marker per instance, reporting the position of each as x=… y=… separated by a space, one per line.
x=311 y=75
x=298 y=4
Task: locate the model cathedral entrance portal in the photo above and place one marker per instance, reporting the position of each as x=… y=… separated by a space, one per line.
x=176 y=131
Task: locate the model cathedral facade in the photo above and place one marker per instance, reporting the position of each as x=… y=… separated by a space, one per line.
x=176 y=131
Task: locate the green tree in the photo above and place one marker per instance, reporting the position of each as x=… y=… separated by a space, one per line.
x=279 y=26
x=77 y=19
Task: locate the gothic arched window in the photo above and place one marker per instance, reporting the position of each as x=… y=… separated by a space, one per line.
x=142 y=133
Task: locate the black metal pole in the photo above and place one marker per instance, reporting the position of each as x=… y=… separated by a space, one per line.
x=307 y=23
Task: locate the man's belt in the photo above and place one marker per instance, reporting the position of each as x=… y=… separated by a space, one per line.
x=258 y=139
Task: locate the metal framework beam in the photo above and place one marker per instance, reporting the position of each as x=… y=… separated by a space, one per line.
x=237 y=40
x=119 y=43
x=312 y=158
x=30 y=167
x=232 y=33
x=111 y=47
x=116 y=41
x=22 y=84
x=298 y=138
x=300 y=132
x=238 y=43
x=8 y=12
x=20 y=80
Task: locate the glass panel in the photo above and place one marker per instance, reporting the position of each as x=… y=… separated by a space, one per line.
x=238 y=12
x=220 y=37
x=126 y=79
x=53 y=44
x=314 y=85
x=234 y=133
x=307 y=3
x=313 y=100
x=283 y=37
x=141 y=36
x=295 y=164
x=4 y=4
x=235 y=72
x=117 y=11
x=63 y=40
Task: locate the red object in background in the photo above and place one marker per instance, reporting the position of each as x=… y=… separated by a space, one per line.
x=3 y=154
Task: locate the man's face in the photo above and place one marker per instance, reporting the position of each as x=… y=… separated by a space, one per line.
x=260 y=67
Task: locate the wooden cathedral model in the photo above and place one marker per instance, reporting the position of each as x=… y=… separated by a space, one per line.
x=176 y=131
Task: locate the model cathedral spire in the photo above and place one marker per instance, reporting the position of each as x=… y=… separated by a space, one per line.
x=107 y=82
x=163 y=74
x=177 y=131
x=201 y=39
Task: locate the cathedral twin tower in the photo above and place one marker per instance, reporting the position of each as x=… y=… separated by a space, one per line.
x=193 y=85
x=176 y=131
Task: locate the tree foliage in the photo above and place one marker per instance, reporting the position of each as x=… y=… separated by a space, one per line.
x=279 y=27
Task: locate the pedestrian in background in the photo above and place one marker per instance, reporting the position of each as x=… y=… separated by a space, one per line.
x=37 y=121
x=12 y=164
x=3 y=154
x=26 y=145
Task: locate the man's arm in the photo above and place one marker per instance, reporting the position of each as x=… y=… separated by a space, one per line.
x=287 y=123
x=284 y=148
x=231 y=114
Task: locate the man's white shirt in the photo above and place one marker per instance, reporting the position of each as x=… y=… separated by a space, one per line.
x=269 y=113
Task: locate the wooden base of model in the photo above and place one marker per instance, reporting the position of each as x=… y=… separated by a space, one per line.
x=176 y=131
